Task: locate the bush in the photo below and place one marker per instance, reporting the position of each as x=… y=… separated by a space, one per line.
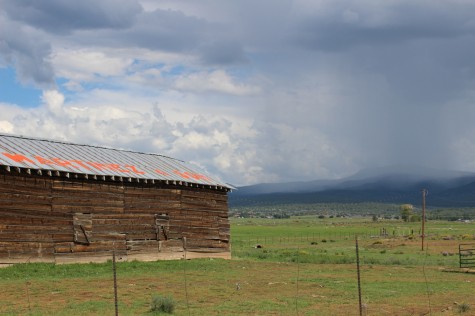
x=415 y=218
x=262 y=256
x=163 y=304
x=467 y=237
x=462 y=308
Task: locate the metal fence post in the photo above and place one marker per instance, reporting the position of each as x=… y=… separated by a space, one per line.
x=358 y=273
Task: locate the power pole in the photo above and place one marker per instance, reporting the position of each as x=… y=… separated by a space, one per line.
x=424 y=193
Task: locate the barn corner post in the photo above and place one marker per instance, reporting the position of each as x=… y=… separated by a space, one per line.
x=183 y=239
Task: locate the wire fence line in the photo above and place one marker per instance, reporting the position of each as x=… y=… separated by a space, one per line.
x=324 y=236
x=249 y=277
x=286 y=291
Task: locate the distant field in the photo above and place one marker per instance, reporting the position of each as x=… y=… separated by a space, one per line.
x=305 y=266
x=333 y=240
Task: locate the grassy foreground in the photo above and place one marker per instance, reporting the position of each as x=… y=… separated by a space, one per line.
x=305 y=266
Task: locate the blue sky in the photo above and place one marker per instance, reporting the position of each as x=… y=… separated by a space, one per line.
x=14 y=92
x=252 y=91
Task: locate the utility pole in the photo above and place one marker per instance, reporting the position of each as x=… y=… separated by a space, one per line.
x=424 y=193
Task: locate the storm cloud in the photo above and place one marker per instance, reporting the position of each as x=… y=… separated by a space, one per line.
x=252 y=91
x=60 y=17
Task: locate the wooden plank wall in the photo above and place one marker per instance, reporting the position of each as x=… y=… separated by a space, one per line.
x=51 y=219
x=94 y=198
x=28 y=227
x=204 y=220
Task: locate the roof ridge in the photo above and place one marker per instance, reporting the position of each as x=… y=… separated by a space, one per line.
x=85 y=145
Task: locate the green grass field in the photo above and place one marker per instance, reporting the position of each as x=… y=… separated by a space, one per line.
x=332 y=240
x=304 y=266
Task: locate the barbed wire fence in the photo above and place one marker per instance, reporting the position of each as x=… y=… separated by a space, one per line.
x=250 y=282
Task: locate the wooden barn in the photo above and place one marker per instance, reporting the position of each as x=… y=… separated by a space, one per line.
x=63 y=202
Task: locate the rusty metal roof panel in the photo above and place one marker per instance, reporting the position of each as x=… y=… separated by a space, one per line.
x=49 y=155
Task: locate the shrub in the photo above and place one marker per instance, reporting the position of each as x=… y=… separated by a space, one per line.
x=415 y=218
x=262 y=256
x=467 y=237
x=394 y=261
x=163 y=304
x=462 y=308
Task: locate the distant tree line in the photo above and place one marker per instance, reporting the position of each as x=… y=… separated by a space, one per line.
x=406 y=212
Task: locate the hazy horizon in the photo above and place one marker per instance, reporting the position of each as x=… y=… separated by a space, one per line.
x=416 y=171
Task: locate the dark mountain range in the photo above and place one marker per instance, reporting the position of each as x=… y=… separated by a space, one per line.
x=396 y=184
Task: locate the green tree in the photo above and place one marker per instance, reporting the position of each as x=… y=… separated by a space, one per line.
x=406 y=211
x=415 y=218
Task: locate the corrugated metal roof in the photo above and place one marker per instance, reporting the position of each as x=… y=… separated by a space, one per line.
x=66 y=158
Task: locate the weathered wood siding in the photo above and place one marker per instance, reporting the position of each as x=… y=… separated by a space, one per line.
x=63 y=220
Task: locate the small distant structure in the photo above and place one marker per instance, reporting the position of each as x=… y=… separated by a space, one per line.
x=64 y=202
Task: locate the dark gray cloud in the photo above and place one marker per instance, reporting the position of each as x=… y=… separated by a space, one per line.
x=172 y=31
x=336 y=85
x=345 y=24
x=58 y=16
x=165 y=30
x=225 y=52
x=27 y=53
